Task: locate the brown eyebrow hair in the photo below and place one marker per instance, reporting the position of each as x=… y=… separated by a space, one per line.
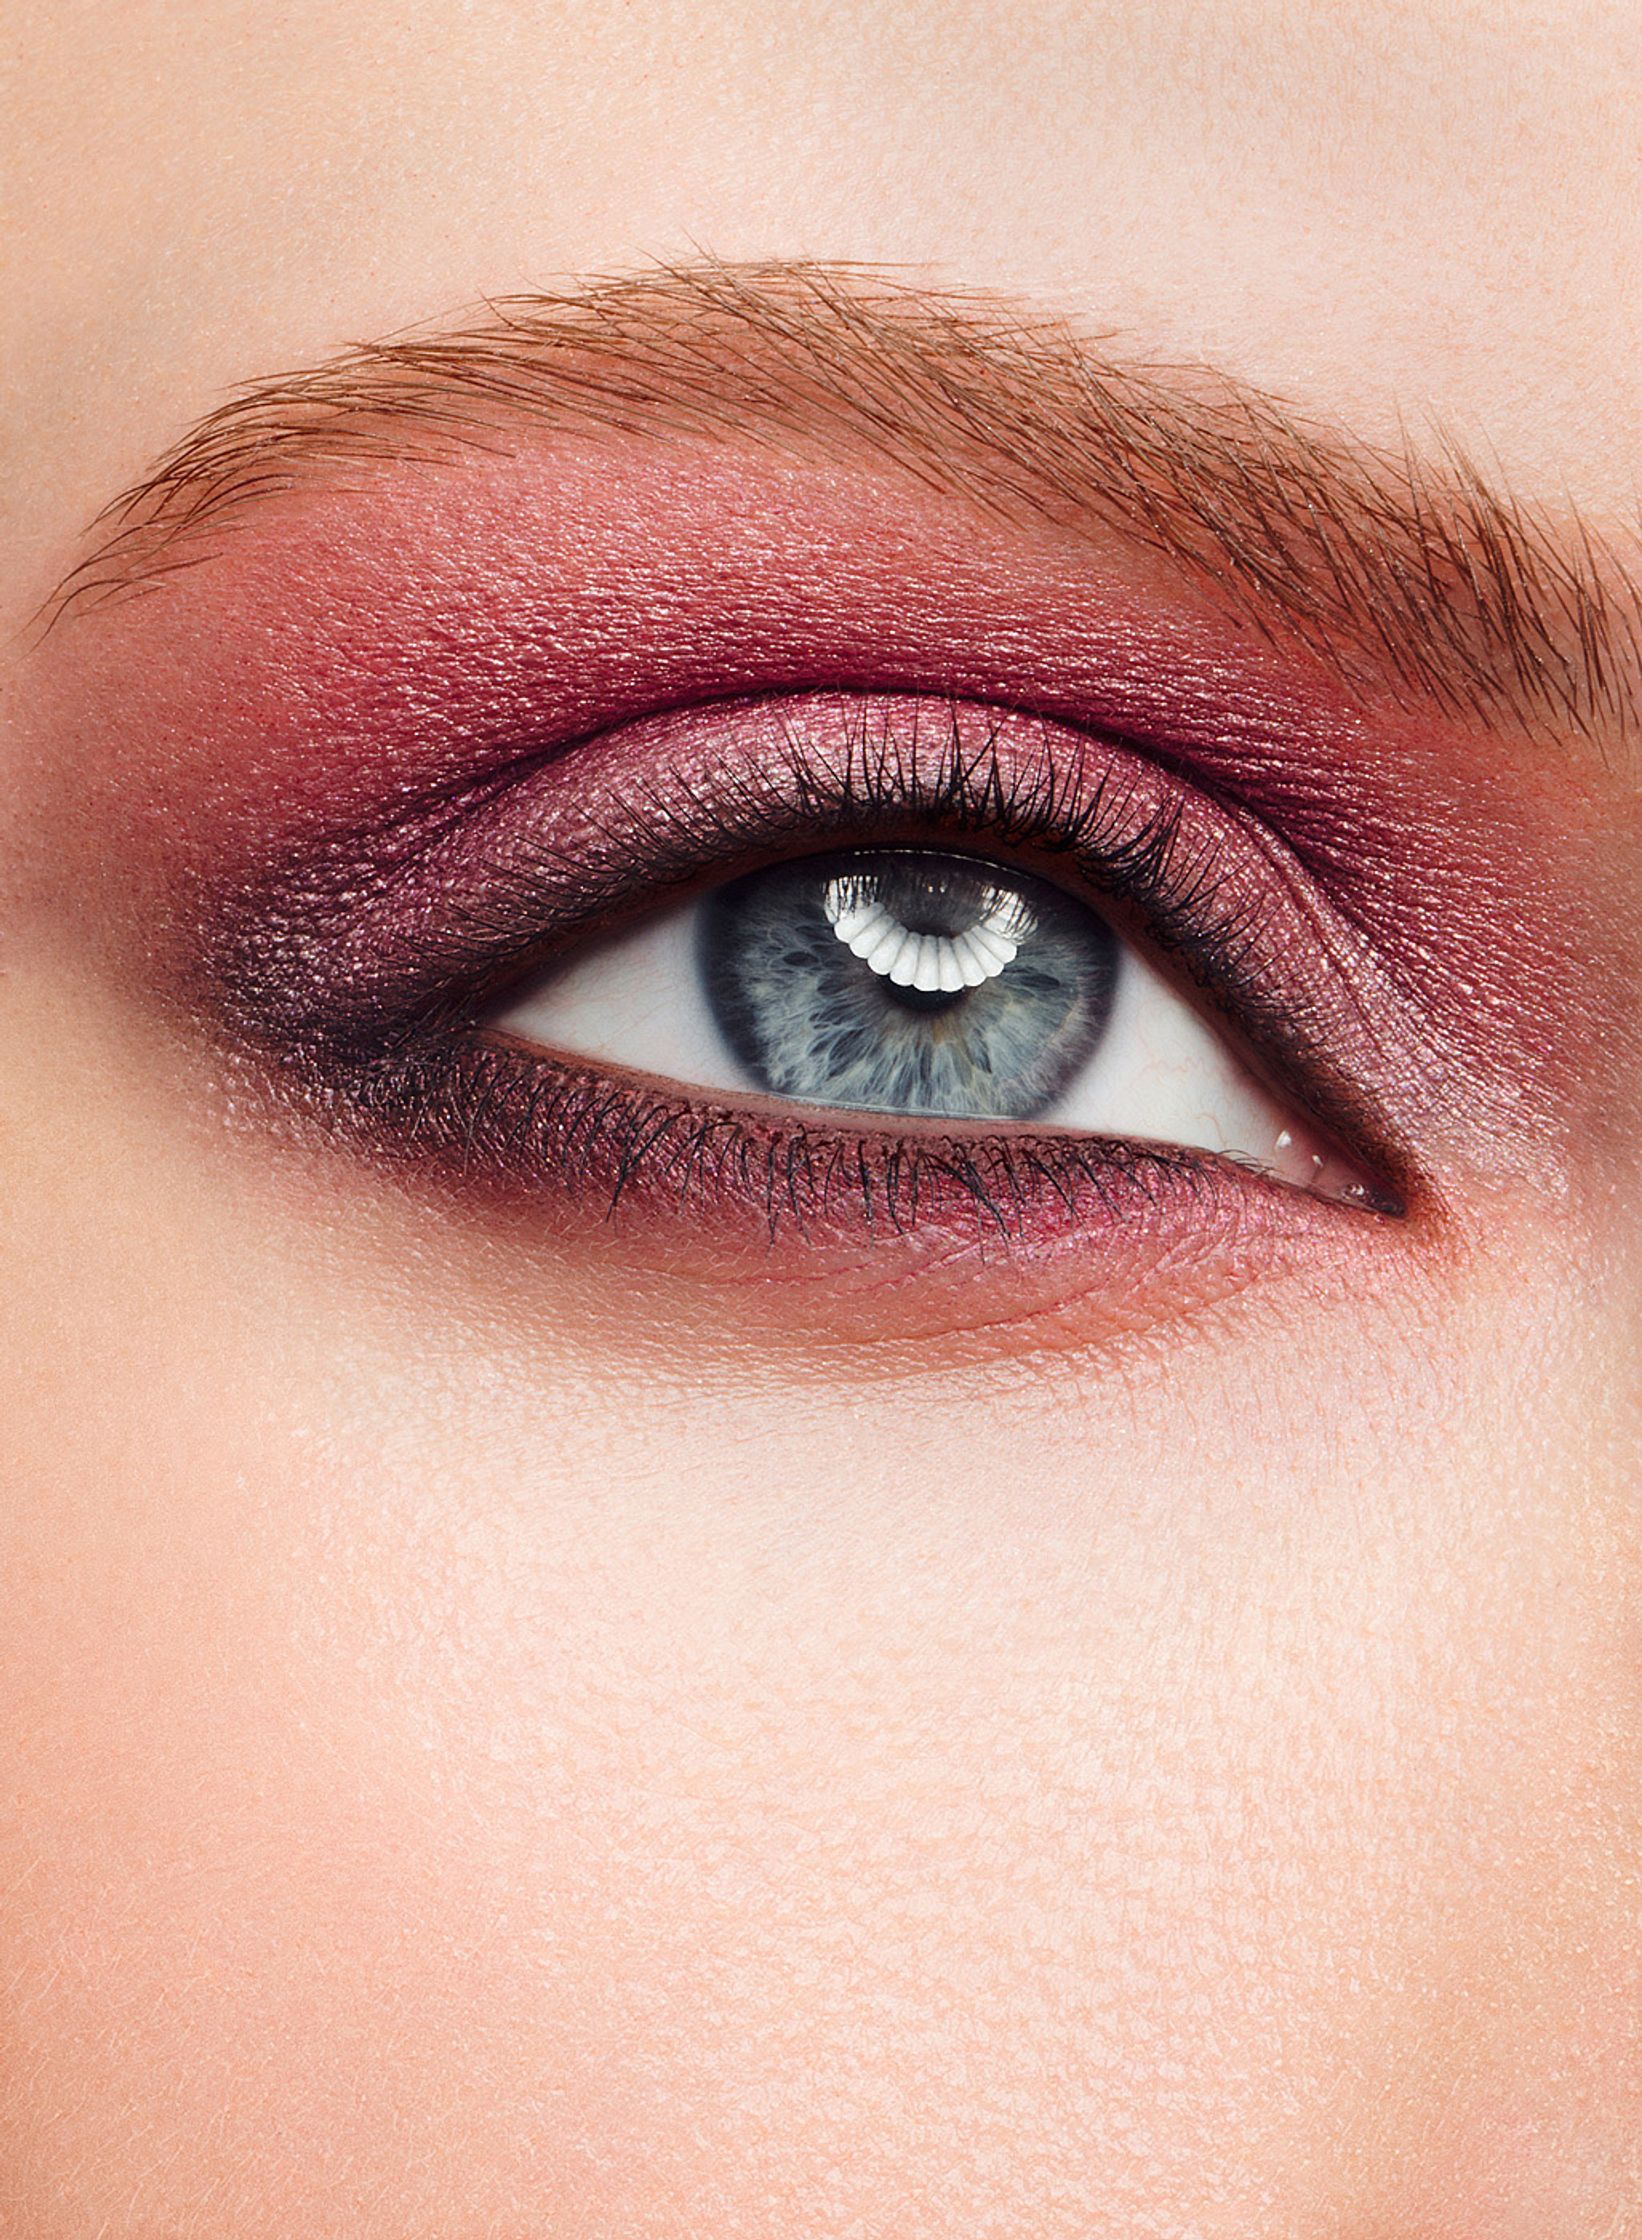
x=1390 y=567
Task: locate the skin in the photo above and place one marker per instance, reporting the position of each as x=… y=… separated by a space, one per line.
x=494 y=1749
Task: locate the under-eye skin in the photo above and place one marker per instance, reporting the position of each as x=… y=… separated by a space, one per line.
x=828 y=960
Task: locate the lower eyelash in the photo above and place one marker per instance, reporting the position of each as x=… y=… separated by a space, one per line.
x=511 y=1119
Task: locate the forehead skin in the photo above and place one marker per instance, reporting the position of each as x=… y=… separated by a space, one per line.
x=475 y=1786
x=1390 y=212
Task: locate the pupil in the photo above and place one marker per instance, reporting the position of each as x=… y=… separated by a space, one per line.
x=928 y=999
x=907 y=981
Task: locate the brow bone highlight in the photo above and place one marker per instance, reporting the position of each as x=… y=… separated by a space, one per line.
x=1387 y=566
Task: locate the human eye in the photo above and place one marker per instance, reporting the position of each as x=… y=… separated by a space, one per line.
x=832 y=962
x=920 y=983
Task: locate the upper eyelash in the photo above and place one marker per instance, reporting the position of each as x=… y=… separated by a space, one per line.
x=1057 y=812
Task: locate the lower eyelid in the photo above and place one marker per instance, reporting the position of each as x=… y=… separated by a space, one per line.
x=901 y=1251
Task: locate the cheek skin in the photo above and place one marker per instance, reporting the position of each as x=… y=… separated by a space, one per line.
x=500 y=1746
x=473 y=1778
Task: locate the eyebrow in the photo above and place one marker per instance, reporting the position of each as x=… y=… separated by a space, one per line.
x=1391 y=567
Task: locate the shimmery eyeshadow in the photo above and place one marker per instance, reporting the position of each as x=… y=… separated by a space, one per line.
x=376 y=680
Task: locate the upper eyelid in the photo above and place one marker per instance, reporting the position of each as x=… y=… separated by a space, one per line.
x=1327 y=915
x=1414 y=571
x=470 y=867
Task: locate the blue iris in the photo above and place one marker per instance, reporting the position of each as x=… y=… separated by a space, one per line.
x=910 y=981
